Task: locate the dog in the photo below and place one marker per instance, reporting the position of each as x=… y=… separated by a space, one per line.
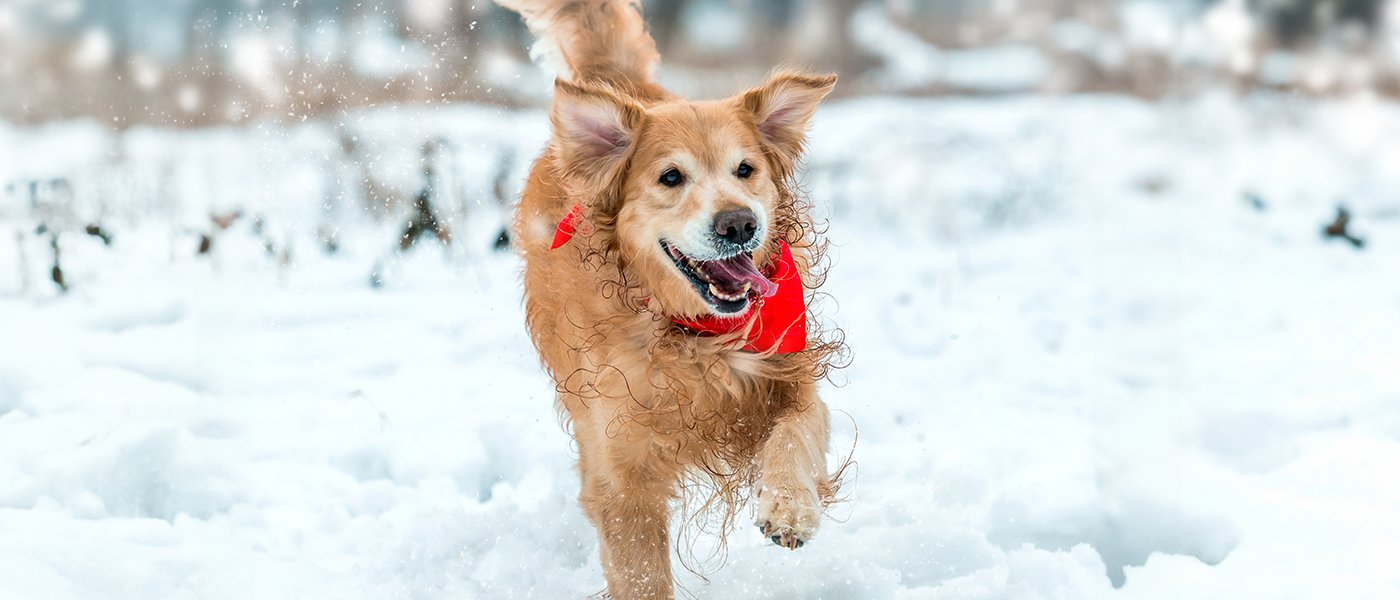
x=668 y=263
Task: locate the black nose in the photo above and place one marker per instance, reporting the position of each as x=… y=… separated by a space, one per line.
x=736 y=226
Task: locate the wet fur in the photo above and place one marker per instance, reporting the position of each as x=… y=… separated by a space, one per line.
x=656 y=409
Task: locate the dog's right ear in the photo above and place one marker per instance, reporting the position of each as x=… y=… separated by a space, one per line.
x=782 y=109
x=593 y=128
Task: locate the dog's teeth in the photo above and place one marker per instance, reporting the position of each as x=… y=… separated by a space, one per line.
x=714 y=291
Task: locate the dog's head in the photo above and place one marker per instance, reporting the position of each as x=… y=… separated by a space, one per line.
x=686 y=193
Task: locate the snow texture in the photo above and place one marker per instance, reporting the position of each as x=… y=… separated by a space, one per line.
x=912 y=63
x=1101 y=350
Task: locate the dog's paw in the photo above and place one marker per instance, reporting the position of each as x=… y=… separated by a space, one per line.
x=789 y=523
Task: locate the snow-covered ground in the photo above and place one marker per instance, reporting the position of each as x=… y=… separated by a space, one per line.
x=1101 y=350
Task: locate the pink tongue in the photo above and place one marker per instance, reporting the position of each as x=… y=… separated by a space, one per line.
x=739 y=269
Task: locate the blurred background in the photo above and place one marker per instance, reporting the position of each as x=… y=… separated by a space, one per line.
x=204 y=62
x=285 y=87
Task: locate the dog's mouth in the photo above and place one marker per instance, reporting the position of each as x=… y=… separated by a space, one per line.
x=726 y=283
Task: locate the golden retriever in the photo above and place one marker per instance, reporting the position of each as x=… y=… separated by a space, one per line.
x=668 y=258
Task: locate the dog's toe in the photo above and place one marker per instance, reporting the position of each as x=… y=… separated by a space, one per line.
x=789 y=532
x=788 y=539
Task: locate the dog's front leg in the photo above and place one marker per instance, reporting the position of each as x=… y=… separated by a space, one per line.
x=628 y=505
x=792 y=476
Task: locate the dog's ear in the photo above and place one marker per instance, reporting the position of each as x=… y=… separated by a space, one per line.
x=593 y=128
x=782 y=109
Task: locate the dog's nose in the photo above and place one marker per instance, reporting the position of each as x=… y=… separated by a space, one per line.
x=736 y=226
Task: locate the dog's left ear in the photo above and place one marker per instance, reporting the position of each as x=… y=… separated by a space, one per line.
x=782 y=109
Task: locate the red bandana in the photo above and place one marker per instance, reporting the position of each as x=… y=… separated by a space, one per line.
x=567 y=227
x=782 y=318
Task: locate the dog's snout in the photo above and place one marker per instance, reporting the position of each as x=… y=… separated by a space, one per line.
x=736 y=226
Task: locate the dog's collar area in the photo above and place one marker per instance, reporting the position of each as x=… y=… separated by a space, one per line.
x=781 y=320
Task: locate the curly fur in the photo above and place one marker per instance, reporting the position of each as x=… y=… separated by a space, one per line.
x=661 y=415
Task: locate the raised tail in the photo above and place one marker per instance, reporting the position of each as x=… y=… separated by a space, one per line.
x=591 y=40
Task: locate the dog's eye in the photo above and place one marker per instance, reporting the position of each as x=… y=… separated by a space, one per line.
x=744 y=171
x=672 y=178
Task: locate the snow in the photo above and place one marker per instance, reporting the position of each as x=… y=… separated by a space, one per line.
x=1100 y=350
x=913 y=63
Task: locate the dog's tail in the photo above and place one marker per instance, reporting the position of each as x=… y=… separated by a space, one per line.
x=590 y=40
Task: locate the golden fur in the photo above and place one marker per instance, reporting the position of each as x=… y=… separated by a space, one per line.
x=653 y=406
